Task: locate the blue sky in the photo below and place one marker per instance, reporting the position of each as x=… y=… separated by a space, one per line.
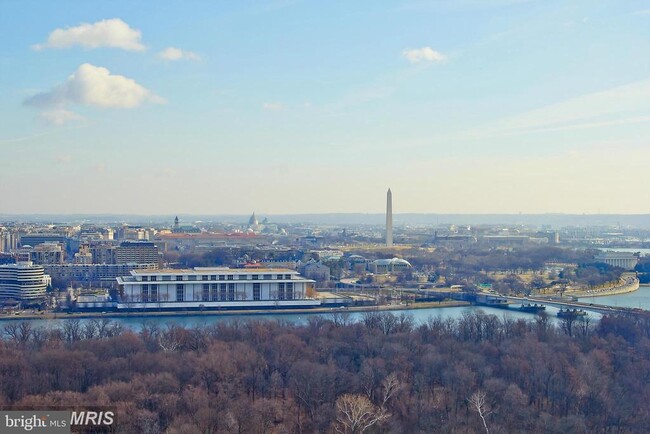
x=297 y=107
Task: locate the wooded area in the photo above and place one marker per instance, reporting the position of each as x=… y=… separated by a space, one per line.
x=382 y=374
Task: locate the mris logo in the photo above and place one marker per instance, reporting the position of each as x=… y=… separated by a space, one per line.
x=92 y=418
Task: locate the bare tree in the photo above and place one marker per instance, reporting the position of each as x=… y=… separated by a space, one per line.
x=72 y=330
x=392 y=385
x=169 y=340
x=340 y=319
x=355 y=414
x=11 y=331
x=19 y=333
x=477 y=401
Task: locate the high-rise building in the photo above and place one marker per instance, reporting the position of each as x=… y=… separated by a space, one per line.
x=23 y=282
x=83 y=256
x=8 y=240
x=103 y=253
x=137 y=252
x=47 y=253
x=389 y=219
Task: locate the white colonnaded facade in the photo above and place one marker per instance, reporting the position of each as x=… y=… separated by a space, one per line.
x=625 y=260
x=214 y=287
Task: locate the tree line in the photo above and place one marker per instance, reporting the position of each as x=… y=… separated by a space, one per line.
x=381 y=374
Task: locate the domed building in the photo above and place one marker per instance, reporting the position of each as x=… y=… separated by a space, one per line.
x=386 y=266
x=254 y=225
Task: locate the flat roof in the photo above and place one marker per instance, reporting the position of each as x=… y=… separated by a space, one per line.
x=217 y=270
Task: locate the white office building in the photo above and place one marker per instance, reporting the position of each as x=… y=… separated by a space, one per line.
x=214 y=287
x=23 y=281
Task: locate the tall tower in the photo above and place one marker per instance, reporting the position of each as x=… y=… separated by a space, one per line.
x=389 y=219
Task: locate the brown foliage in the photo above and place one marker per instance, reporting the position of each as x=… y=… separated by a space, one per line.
x=267 y=377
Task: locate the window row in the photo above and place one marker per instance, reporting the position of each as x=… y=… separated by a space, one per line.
x=218 y=292
x=190 y=278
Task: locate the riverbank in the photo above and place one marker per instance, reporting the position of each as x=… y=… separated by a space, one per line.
x=629 y=286
x=171 y=314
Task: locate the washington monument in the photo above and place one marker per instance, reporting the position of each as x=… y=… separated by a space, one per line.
x=389 y=219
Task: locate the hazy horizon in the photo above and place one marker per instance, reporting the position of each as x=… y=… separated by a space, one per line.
x=460 y=107
x=553 y=220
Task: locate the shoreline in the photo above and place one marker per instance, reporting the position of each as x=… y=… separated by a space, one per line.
x=617 y=290
x=237 y=312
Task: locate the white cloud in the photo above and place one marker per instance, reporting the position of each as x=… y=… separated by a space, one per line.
x=427 y=54
x=615 y=106
x=59 y=116
x=173 y=53
x=95 y=86
x=273 y=106
x=113 y=33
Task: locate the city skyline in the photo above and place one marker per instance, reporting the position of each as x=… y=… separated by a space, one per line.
x=498 y=106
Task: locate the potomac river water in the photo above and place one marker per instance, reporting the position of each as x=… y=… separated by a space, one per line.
x=637 y=299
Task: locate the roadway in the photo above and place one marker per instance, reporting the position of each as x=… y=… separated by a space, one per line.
x=593 y=307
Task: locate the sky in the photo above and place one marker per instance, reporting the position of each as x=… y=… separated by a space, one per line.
x=289 y=106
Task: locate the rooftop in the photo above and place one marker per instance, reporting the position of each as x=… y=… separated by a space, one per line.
x=216 y=270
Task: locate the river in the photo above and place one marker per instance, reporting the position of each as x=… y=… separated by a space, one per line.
x=639 y=298
x=188 y=320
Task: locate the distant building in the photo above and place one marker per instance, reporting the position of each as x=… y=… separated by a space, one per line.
x=327 y=254
x=23 y=281
x=386 y=266
x=357 y=264
x=279 y=263
x=254 y=225
x=183 y=241
x=135 y=233
x=214 y=287
x=552 y=237
x=83 y=256
x=47 y=253
x=454 y=240
x=312 y=241
x=103 y=253
x=102 y=275
x=137 y=252
x=95 y=233
x=8 y=240
x=316 y=271
x=94 y=301
x=184 y=228
x=623 y=260
x=7 y=258
x=505 y=240
x=40 y=238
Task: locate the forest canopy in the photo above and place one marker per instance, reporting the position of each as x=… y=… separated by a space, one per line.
x=384 y=373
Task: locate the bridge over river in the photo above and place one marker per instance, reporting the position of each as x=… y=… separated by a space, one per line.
x=504 y=301
x=571 y=304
